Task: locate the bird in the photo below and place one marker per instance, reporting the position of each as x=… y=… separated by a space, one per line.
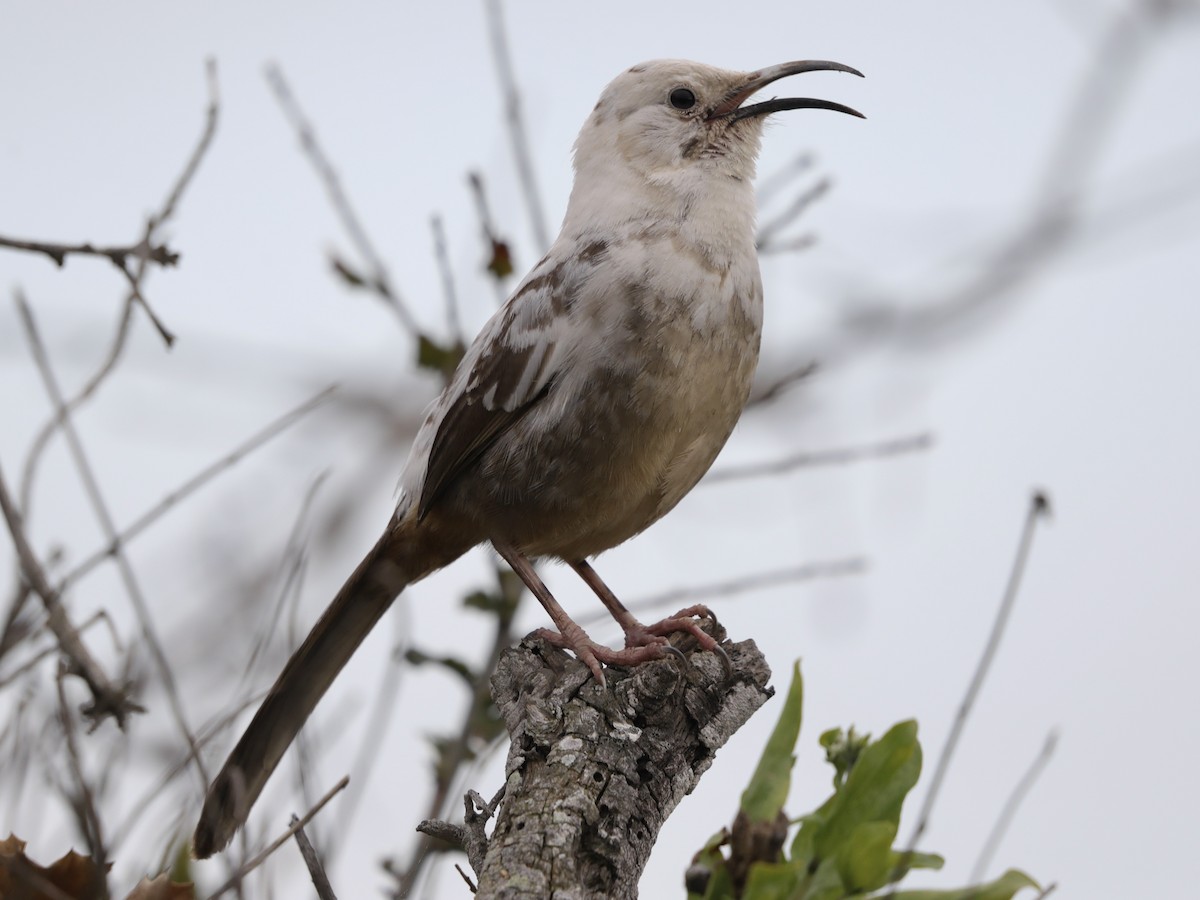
x=589 y=405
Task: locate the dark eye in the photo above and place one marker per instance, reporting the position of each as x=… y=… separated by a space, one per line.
x=682 y=98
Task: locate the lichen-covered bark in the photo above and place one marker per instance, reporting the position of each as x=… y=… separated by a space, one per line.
x=593 y=773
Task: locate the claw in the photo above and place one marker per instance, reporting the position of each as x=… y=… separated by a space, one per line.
x=671 y=648
x=726 y=662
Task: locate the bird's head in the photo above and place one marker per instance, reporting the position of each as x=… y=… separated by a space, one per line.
x=670 y=116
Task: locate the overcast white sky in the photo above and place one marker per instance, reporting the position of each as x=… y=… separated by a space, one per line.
x=1083 y=381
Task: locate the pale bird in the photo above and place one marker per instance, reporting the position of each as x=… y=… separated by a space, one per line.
x=591 y=402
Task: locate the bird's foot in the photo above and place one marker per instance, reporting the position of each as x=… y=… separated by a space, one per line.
x=650 y=647
x=637 y=634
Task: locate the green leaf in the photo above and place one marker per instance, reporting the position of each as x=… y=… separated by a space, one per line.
x=903 y=863
x=874 y=790
x=842 y=750
x=768 y=789
x=824 y=884
x=1003 y=888
x=865 y=861
x=439 y=358
x=773 y=881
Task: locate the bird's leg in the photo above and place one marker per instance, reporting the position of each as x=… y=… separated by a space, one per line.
x=571 y=636
x=639 y=635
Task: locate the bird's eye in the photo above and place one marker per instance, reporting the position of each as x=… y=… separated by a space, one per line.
x=682 y=98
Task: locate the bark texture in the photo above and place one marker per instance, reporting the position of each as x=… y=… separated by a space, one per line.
x=593 y=773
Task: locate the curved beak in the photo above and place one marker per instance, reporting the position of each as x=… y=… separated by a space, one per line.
x=731 y=107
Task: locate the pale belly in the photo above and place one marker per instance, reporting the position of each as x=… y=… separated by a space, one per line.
x=602 y=458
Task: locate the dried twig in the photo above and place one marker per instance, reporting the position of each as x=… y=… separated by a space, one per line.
x=315 y=869
x=84 y=800
x=1039 y=506
x=193 y=484
x=157 y=253
x=377 y=280
x=252 y=864
x=767 y=240
x=522 y=155
x=453 y=320
x=104 y=517
x=33 y=661
x=107 y=699
x=755 y=581
x=1009 y=812
x=839 y=456
x=780 y=385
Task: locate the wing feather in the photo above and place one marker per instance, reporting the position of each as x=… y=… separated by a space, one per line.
x=507 y=372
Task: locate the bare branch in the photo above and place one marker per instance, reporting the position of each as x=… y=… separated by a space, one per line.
x=914 y=443
x=755 y=581
x=1009 y=812
x=1039 y=507
x=193 y=484
x=107 y=700
x=296 y=825
x=522 y=155
x=780 y=385
x=767 y=233
x=160 y=253
x=453 y=320
x=315 y=869
x=84 y=799
x=378 y=279
x=104 y=517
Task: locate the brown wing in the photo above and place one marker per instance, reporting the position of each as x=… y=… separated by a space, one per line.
x=510 y=376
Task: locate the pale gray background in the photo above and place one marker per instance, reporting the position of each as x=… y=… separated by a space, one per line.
x=1084 y=382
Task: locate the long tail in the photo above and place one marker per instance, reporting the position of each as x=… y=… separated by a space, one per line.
x=394 y=562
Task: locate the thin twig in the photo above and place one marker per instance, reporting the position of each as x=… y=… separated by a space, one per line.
x=38 y=446
x=107 y=699
x=32 y=662
x=1009 y=812
x=522 y=155
x=499 y=254
x=379 y=280
x=1039 y=507
x=458 y=752
x=780 y=385
x=160 y=253
x=914 y=443
x=108 y=527
x=767 y=233
x=315 y=870
x=193 y=484
x=453 y=319
x=753 y=582
x=252 y=864
x=84 y=800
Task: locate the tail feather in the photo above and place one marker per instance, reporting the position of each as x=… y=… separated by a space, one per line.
x=385 y=571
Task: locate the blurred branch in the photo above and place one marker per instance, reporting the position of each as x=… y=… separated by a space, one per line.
x=915 y=443
x=767 y=241
x=193 y=484
x=83 y=801
x=453 y=320
x=1055 y=218
x=236 y=879
x=315 y=869
x=377 y=278
x=1009 y=812
x=104 y=517
x=160 y=253
x=107 y=700
x=755 y=581
x=1039 y=508
x=522 y=155
x=780 y=385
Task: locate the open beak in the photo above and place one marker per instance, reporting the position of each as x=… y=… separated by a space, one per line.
x=731 y=107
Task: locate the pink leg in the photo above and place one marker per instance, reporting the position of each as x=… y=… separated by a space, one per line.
x=639 y=635
x=569 y=635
